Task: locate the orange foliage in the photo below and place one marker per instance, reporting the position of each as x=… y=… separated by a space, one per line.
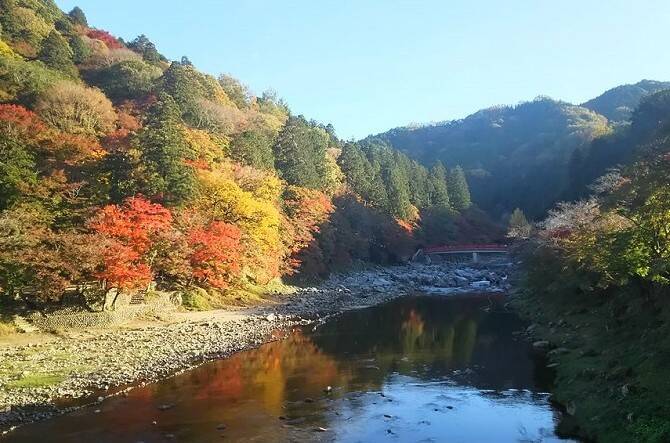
x=216 y=253
x=307 y=209
x=19 y=121
x=131 y=230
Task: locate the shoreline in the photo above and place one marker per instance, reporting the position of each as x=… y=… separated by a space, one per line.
x=101 y=363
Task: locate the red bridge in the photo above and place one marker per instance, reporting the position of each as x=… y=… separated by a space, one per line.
x=473 y=248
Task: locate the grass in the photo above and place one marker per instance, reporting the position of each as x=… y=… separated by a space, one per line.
x=38 y=380
x=615 y=378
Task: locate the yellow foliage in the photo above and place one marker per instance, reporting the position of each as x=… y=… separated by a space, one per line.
x=210 y=148
x=221 y=198
x=5 y=50
x=264 y=185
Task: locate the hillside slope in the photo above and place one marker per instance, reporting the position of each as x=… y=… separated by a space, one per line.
x=515 y=156
x=617 y=104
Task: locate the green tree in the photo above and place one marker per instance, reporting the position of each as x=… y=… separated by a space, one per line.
x=355 y=167
x=438 y=180
x=78 y=17
x=17 y=170
x=397 y=186
x=125 y=80
x=253 y=148
x=163 y=154
x=458 y=189
x=56 y=54
x=300 y=154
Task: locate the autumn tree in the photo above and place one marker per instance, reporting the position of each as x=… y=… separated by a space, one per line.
x=130 y=231
x=216 y=254
x=235 y=90
x=77 y=109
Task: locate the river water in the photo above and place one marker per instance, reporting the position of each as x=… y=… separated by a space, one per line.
x=418 y=369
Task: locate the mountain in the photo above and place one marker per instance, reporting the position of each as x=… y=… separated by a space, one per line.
x=515 y=156
x=617 y=104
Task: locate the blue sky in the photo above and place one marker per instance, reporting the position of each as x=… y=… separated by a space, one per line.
x=369 y=65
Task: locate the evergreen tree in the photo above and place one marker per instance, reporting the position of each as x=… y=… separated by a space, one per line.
x=355 y=167
x=397 y=187
x=78 y=17
x=300 y=154
x=253 y=148
x=458 y=189
x=438 y=179
x=56 y=54
x=163 y=151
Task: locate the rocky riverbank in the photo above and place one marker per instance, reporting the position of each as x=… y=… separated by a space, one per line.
x=47 y=377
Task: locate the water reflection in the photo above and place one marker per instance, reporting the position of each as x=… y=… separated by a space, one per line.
x=418 y=369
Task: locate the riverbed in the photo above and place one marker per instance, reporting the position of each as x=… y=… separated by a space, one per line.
x=419 y=368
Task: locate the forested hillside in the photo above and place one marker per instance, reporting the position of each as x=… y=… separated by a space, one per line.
x=514 y=156
x=533 y=154
x=618 y=104
x=119 y=166
x=598 y=280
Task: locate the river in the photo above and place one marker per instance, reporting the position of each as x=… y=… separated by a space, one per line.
x=417 y=369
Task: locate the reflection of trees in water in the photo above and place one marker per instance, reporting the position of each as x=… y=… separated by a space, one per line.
x=430 y=336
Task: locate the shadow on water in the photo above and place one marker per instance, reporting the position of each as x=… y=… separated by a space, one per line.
x=416 y=369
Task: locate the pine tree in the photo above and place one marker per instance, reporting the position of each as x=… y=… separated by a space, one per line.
x=458 y=189
x=164 y=150
x=440 y=192
x=56 y=53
